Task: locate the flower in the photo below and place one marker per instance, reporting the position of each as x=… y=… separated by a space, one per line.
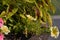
x=5 y=29
x=1 y=22
x=1 y=36
x=31 y=18
x=54 y=32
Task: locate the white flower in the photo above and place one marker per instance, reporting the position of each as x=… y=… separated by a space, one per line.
x=5 y=29
x=31 y=18
x=54 y=32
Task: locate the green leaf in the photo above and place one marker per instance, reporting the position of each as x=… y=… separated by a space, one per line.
x=14 y=10
x=52 y=8
x=3 y=14
x=5 y=2
x=49 y=19
x=30 y=1
x=12 y=13
x=22 y=15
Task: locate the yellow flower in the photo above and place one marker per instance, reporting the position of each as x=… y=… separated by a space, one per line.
x=5 y=29
x=31 y=18
x=54 y=32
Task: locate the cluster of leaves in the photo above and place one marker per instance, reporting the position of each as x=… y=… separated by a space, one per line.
x=15 y=11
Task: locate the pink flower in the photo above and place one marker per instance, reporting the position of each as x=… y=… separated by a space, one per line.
x=1 y=36
x=1 y=22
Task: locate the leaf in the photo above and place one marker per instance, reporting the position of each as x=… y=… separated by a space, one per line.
x=52 y=8
x=5 y=2
x=11 y=20
x=44 y=3
x=22 y=15
x=48 y=1
x=41 y=11
x=25 y=31
x=41 y=14
x=7 y=10
x=30 y=1
x=49 y=19
x=10 y=24
x=14 y=10
x=44 y=17
x=42 y=22
x=12 y=13
x=3 y=14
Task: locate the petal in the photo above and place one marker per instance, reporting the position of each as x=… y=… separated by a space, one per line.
x=1 y=22
x=1 y=25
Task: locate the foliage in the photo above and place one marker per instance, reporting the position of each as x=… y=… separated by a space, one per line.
x=27 y=16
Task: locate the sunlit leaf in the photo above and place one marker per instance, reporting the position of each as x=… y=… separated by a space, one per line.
x=22 y=15
x=12 y=13
x=30 y=1
x=3 y=14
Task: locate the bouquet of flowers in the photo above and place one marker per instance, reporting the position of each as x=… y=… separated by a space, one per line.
x=27 y=17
